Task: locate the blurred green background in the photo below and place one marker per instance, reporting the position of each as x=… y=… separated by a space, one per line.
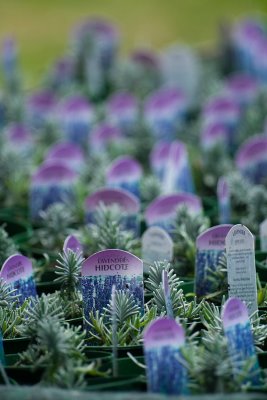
x=42 y=27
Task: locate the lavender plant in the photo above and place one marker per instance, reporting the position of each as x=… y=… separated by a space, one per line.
x=68 y=269
x=185 y=310
x=56 y=224
x=256 y=207
x=239 y=189
x=11 y=314
x=7 y=246
x=59 y=349
x=150 y=188
x=209 y=367
x=14 y=176
x=253 y=118
x=215 y=163
x=39 y=310
x=186 y=229
x=210 y=316
x=107 y=231
x=218 y=279
x=100 y=324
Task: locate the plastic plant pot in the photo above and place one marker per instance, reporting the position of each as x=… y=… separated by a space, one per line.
x=117 y=384
x=261 y=265
x=93 y=355
x=75 y=321
x=47 y=284
x=188 y=286
x=136 y=350
x=262 y=357
x=15 y=345
x=21 y=375
x=127 y=367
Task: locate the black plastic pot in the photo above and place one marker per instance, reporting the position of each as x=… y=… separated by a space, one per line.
x=75 y=321
x=261 y=266
x=119 y=384
x=127 y=367
x=47 y=284
x=188 y=286
x=262 y=357
x=16 y=345
x=21 y=375
x=136 y=351
x=93 y=355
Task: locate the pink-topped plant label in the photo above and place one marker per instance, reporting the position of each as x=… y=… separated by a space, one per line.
x=243 y=88
x=159 y=158
x=157 y=245
x=161 y=212
x=213 y=135
x=19 y=139
x=106 y=268
x=68 y=153
x=224 y=201
x=240 y=341
x=17 y=272
x=226 y=111
x=52 y=183
x=210 y=249
x=163 y=341
x=165 y=111
x=251 y=159
x=241 y=269
x=72 y=243
x=127 y=203
x=178 y=175
x=40 y=108
x=104 y=135
x=125 y=173
x=123 y=111
x=75 y=118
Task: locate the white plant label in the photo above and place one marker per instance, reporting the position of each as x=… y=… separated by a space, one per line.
x=241 y=266
x=157 y=245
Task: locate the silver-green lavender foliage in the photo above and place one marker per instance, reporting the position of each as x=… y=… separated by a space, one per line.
x=150 y=188
x=239 y=189
x=40 y=309
x=253 y=119
x=218 y=278
x=7 y=246
x=11 y=315
x=57 y=347
x=68 y=269
x=107 y=231
x=215 y=163
x=186 y=228
x=185 y=310
x=8 y=296
x=14 y=176
x=126 y=310
x=56 y=224
x=210 y=316
x=210 y=369
x=256 y=207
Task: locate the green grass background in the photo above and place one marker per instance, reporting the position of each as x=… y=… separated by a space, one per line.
x=42 y=27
